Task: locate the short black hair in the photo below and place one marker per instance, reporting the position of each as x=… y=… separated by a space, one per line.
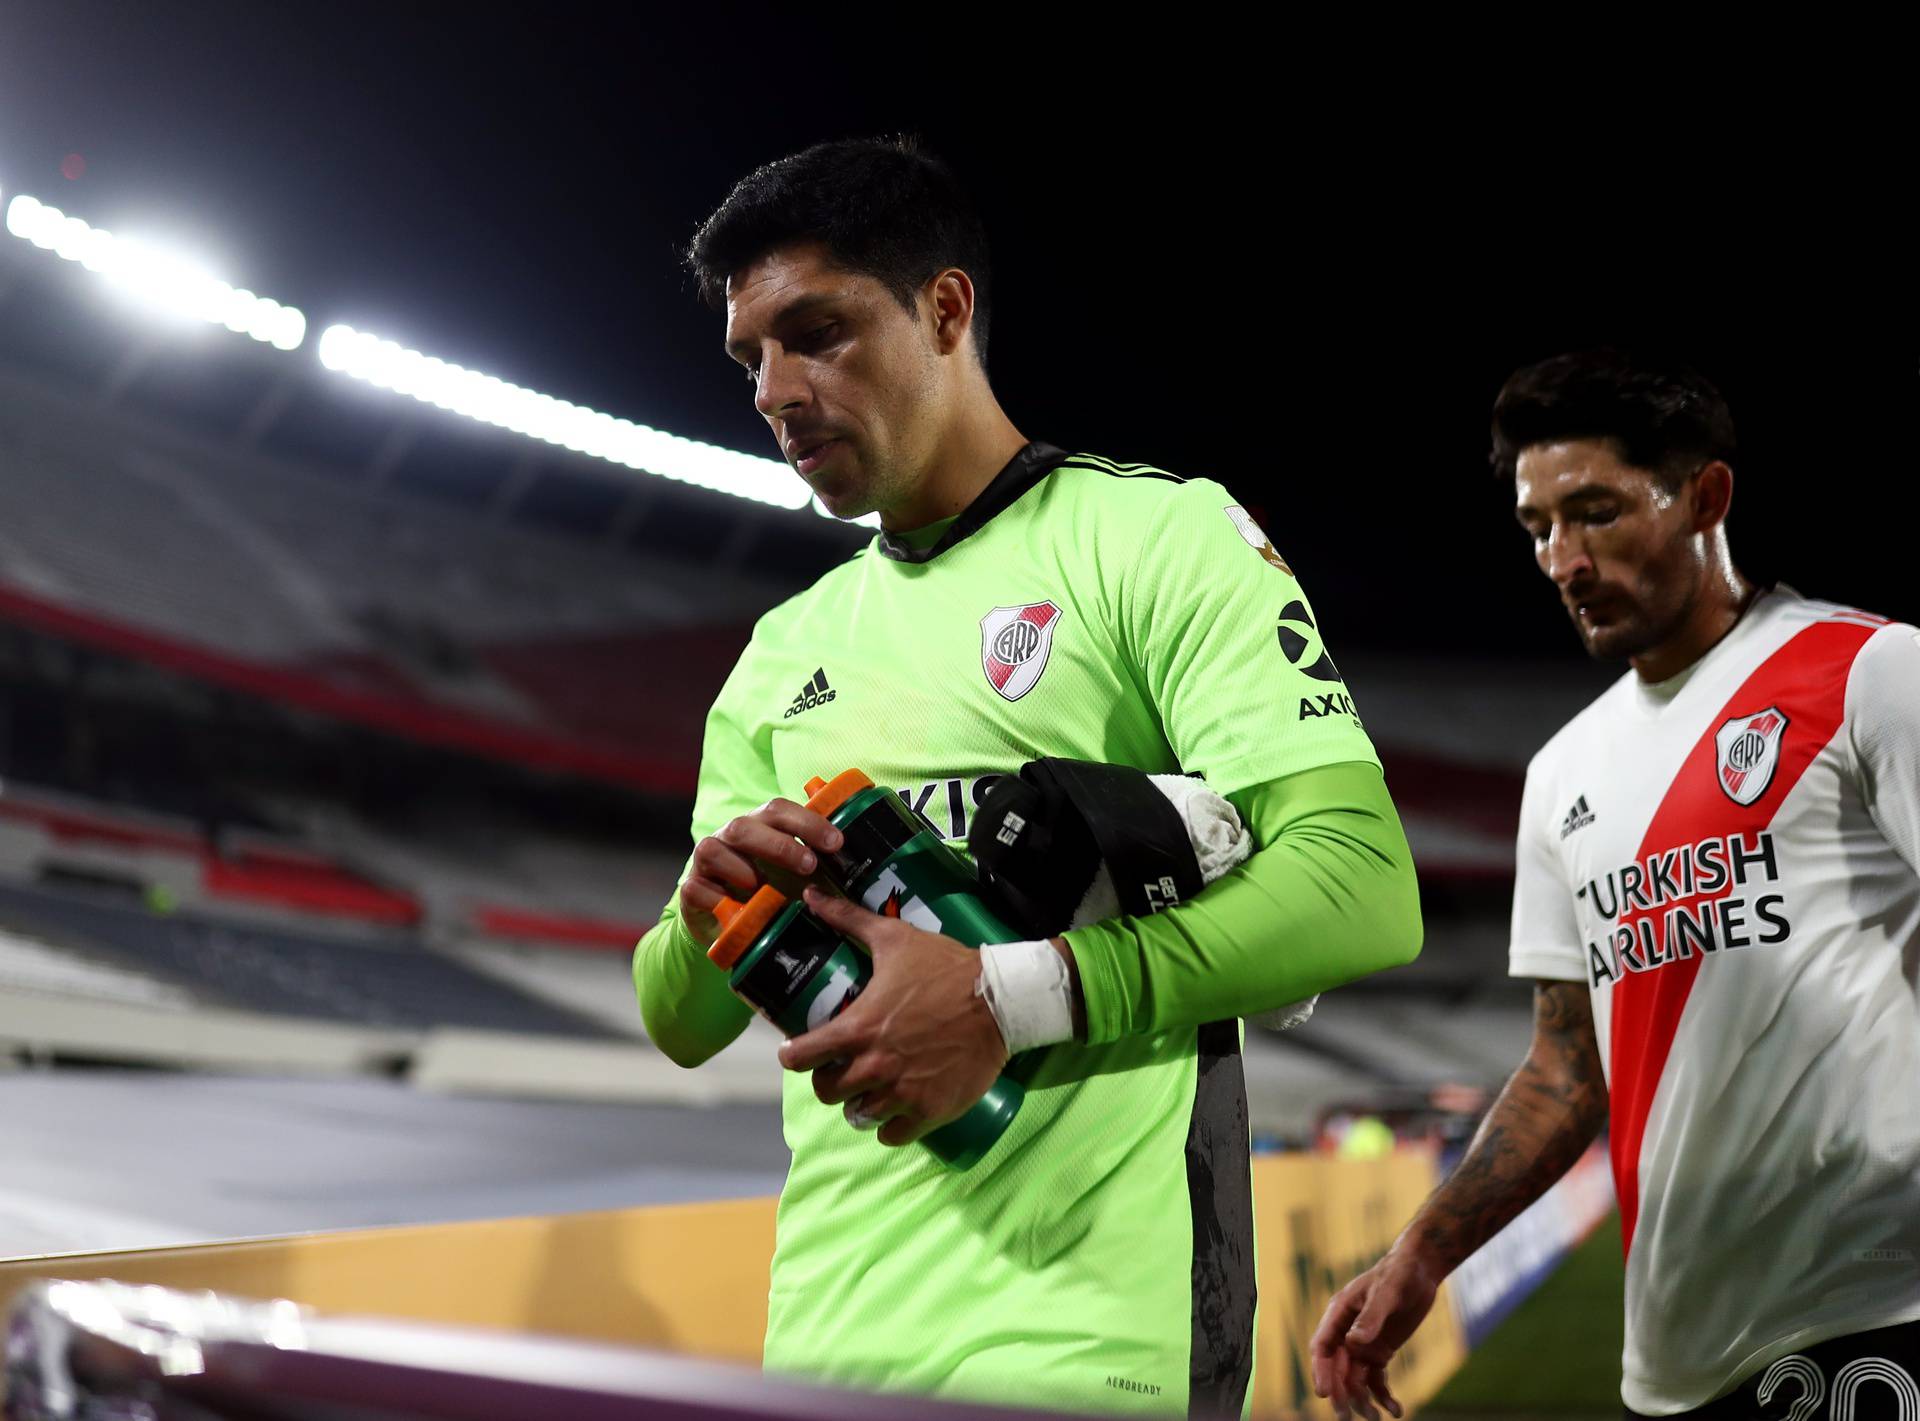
x=1660 y=415
x=882 y=207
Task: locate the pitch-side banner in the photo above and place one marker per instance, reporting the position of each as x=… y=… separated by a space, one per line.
x=692 y=1278
x=1498 y=1278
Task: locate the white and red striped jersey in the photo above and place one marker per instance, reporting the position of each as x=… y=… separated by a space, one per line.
x=1728 y=860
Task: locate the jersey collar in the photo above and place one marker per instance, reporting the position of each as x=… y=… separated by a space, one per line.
x=1032 y=464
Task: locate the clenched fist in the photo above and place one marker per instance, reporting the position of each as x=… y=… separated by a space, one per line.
x=919 y=1046
x=774 y=844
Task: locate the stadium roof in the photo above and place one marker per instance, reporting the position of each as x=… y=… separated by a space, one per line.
x=1209 y=260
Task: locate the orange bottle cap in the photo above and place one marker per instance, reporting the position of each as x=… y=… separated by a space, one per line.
x=741 y=923
x=825 y=796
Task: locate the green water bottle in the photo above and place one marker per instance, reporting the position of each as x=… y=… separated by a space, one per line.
x=799 y=974
x=897 y=865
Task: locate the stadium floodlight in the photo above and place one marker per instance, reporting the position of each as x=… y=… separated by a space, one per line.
x=154 y=278
x=391 y=366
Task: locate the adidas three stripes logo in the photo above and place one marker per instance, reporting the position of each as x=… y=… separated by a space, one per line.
x=815 y=693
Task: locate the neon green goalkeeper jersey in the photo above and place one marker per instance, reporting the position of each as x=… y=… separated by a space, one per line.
x=1101 y=1257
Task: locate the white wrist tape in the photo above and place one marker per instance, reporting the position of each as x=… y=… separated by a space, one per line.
x=1026 y=987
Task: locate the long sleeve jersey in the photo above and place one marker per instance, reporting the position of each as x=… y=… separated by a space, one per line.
x=1101 y=1257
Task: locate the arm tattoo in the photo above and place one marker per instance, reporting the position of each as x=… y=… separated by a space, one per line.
x=1544 y=1119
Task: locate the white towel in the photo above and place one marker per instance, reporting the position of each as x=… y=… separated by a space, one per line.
x=1220 y=842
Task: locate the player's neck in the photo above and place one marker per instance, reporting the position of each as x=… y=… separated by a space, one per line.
x=975 y=448
x=1725 y=600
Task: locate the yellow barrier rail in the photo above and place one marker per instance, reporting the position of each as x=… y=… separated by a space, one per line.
x=692 y=1278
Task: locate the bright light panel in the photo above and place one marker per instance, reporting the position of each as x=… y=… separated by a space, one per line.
x=174 y=286
x=391 y=366
x=154 y=278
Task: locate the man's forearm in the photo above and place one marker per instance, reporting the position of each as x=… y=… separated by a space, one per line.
x=1328 y=896
x=685 y=1003
x=1543 y=1121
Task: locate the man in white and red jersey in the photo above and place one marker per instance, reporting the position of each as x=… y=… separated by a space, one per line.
x=1717 y=898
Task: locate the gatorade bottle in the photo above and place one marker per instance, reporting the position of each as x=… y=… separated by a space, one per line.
x=894 y=863
x=792 y=969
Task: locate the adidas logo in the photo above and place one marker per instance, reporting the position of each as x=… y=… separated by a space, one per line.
x=1578 y=817
x=815 y=693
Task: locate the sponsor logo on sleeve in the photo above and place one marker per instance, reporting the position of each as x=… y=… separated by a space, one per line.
x=1256 y=537
x=1332 y=703
x=1015 y=643
x=1300 y=642
x=1749 y=748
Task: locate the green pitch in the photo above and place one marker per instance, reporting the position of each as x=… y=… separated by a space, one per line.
x=1558 y=1354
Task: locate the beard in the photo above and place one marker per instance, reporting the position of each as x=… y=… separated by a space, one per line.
x=1643 y=620
x=854 y=487
x=844 y=487
x=844 y=499
x=1619 y=641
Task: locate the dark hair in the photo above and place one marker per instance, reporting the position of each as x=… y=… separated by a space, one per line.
x=883 y=208
x=1659 y=415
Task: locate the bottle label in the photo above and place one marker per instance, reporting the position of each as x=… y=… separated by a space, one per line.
x=842 y=983
x=890 y=897
x=880 y=831
x=804 y=977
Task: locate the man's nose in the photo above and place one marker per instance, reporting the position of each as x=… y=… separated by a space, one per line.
x=781 y=388
x=1565 y=558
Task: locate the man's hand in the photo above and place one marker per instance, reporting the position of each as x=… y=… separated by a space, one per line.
x=1543 y=1120
x=919 y=1046
x=774 y=844
x=1365 y=1324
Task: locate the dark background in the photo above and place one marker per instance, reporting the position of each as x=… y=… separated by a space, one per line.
x=1296 y=260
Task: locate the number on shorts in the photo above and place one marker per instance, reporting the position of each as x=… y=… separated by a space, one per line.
x=1862 y=1370
x=1846 y=1386
x=1813 y=1386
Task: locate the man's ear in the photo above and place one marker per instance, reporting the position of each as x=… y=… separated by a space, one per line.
x=1712 y=492
x=950 y=295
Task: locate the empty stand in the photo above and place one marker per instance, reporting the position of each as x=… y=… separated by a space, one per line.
x=36 y=968
x=268 y=970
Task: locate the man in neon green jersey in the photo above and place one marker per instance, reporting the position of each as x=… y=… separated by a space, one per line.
x=1101 y=1257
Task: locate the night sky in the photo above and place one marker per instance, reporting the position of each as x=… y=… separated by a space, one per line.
x=1283 y=259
